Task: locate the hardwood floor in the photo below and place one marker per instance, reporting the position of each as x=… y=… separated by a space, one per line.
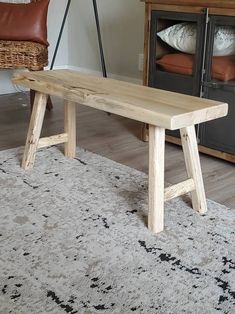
x=115 y=138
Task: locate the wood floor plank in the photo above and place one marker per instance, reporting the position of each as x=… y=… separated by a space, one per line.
x=115 y=138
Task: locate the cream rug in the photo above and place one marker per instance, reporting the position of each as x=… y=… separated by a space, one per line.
x=73 y=240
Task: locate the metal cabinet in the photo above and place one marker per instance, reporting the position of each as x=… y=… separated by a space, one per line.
x=185 y=84
x=219 y=135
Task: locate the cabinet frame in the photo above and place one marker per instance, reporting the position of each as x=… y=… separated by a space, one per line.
x=210 y=91
x=180 y=8
x=198 y=61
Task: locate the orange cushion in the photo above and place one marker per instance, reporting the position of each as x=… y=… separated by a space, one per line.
x=177 y=63
x=25 y=22
x=223 y=68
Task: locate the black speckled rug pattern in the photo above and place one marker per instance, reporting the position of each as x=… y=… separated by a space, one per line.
x=73 y=239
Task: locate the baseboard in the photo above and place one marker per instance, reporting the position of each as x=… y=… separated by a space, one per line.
x=7 y=87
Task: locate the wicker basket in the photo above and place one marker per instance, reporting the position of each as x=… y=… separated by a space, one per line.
x=23 y=54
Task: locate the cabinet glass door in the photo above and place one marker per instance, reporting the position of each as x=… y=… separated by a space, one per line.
x=219 y=83
x=176 y=43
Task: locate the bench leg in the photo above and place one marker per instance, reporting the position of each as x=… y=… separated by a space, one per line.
x=70 y=128
x=144 y=132
x=34 y=130
x=32 y=96
x=156 y=178
x=193 y=166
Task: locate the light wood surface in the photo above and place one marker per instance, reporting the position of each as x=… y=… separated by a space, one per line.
x=179 y=189
x=149 y=105
x=193 y=166
x=116 y=138
x=70 y=128
x=52 y=140
x=156 y=178
x=34 y=130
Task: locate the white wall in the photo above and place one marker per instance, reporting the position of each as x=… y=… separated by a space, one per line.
x=55 y=15
x=122 y=26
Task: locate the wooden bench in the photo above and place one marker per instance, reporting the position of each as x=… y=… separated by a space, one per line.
x=160 y=109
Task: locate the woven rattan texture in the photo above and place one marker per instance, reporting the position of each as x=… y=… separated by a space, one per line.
x=22 y=54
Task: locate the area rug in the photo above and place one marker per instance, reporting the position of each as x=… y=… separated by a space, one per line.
x=73 y=239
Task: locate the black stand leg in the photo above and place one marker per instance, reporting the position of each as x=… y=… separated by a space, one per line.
x=99 y=39
x=98 y=34
x=60 y=34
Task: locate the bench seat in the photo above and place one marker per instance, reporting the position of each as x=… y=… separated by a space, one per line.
x=165 y=109
x=160 y=109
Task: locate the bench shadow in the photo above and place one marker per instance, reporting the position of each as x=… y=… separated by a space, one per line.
x=133 y=198
x=133 y=127
x=19 y=154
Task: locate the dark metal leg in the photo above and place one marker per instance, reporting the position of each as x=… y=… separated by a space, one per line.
x=98 y=33
x=60 y=34
x=99 y=39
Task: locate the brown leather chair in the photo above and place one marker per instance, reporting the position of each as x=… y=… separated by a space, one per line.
x=24 y=54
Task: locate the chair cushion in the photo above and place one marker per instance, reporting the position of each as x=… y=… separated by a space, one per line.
x=24 y=22
x=23 y=54
x=223 y=68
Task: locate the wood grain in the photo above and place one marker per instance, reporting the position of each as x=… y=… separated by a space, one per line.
x=193 y=166
x=34 y=130
x=179 y=189
x=149 y=105
x=70 y=128
x=156 y=178
x=52 y=140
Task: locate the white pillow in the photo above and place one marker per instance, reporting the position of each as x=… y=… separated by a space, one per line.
x=183 y=37
x=224 y=44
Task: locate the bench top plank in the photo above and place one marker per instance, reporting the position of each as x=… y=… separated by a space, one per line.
x=149 y=105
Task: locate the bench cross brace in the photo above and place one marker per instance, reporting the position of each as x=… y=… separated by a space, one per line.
x=34 y=142
x=157 y=194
